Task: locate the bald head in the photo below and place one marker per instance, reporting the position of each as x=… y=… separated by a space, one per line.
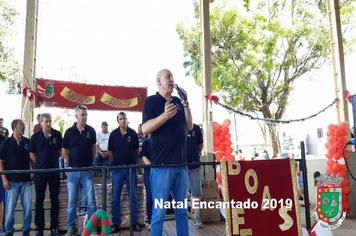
x=165 y=82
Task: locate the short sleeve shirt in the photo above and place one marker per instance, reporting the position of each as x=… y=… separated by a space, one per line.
x=46 y=149
x=123 y=146
x=168 y=142
x=80 y=145
x=146 y=151
x=17 y=157
x=194 y=138
x=4 y=131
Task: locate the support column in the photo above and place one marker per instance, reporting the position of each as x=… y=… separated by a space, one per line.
x=29 y=64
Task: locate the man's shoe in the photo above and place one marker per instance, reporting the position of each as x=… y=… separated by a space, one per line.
x=197 y=222
x=114 y=229
x=9 y=234
x=70 y=232
x=54 y=232
x=2 y=232
x=136 y=227
x=26 y=233
x=39 y=232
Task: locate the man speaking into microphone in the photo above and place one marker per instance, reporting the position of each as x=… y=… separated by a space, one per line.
x=168 y=119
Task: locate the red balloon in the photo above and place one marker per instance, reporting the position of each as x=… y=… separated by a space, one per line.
x=229 y=158
x=329 y=133
x=327 y=144
x=340 y=174
x=343 y=132
x=342 y=125
x=337 y=132
x=227 y=143
x=329 y=170
x=331 y=139
x=337 y=144
x=228 y=151
x=332 y=150
x=217 y=142
x=222 y=137
x=216 y=125
x=345 y=190
x=344 y=197
x=330 y=162
x=341 y=139
x=222 y=147
x=345 y=182
x=216 y=132
x=331 y=127
x=328 y=155
x=227 y=136
x=345 y=205
x=225 y=130
x=336 y=167
x=216 y=148
x=344 y=169
x=219 y=156
x=331 y=185
x=336 y=156
x=226 y=123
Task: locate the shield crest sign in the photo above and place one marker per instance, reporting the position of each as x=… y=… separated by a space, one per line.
x=329 y=204
x=49 y=90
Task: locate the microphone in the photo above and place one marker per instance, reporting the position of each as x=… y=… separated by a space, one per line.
x=180 y=92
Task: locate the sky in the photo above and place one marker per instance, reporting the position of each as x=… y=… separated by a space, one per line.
x=126 y=43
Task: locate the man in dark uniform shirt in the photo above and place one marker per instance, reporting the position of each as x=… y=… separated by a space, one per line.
x=15 y=155
x=46 y=146
x=123 y=150
x=80 y=141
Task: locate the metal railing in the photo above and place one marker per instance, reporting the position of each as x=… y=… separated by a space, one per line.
x=106 y=169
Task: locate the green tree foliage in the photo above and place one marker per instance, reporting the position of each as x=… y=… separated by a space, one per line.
x=9 y=68
x=258 y=52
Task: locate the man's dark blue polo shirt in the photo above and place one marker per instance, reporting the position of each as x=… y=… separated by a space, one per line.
x=194 y=138
x=80 y=145
x=17 y=157
x=146 y=151
x=168 y=142
x=46 y=149
x=2 y=138
x=123 y=146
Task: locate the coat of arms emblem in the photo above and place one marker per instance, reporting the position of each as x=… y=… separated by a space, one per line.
x=329 y=202
x=49 y=91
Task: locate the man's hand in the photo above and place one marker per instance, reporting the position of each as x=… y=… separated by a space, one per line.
x=185 y=103
x=170 y=110
x=6 y=184
x=104 y=154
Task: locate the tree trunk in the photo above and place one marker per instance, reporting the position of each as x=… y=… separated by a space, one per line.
x=274 y=135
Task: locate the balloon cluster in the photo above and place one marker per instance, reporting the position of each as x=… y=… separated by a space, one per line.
x=335 y=164
x=222 y=147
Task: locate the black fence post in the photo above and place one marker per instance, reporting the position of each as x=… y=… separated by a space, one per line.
x=305 y=184
x=103 y=188
x=130 y=196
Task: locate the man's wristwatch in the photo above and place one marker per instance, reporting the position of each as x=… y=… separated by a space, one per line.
x=186 y=105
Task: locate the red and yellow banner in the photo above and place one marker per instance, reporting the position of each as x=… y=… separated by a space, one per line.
x=55 y=93
x=262 y=197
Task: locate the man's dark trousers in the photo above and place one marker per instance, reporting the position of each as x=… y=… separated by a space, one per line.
x=41 y=181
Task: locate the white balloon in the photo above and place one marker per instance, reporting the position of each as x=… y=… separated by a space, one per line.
x=305 y=232
x=321 y=231
x=341 y=161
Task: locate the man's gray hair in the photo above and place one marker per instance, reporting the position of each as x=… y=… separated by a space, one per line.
x=45 y=115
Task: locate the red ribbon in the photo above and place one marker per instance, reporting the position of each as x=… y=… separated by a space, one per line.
x=27 y=92
x=212 y=98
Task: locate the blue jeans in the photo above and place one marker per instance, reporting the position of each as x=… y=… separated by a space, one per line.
x=163 y=181
x=75 y=179
x=99 y=160
x=118 y=177
x=11 y=196
x=149 y=202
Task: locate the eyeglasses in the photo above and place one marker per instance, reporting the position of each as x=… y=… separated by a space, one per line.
x=80 y=107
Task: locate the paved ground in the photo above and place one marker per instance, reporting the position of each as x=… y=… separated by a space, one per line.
x=348 y=227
